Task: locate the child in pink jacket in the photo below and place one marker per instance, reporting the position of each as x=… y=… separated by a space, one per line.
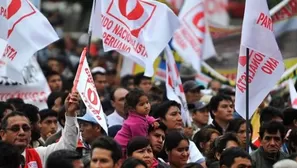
x=138 y=121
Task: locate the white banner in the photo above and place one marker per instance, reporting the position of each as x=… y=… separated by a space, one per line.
x=35 y=90
x=293 y=94
x=266 y=63
x=138 y=29
x=85 y=86
x=192 y=40
x=25 y=30
x=174 y=86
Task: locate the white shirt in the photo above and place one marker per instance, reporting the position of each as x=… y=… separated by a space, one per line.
x=115 y=119
x=195 y=154
x=68 y=140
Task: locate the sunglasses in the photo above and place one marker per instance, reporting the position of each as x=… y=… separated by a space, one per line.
x=17 y=128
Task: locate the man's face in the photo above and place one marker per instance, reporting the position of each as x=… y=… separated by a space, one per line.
x=157 y=138
x=240 y=162
x=55 y=83
x=173 y=119
x=201 y=116
x=224 y=111
x=54 y=65
x=215 y=86
x=48 y=127
x=271 y=143
x=101 y=158
x=119 y=100
x=89 y=132
x=17 y=132
x=100 y=83
x=145 y=85
x=193 y=95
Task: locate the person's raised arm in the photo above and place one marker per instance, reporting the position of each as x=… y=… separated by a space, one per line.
x=70 y=132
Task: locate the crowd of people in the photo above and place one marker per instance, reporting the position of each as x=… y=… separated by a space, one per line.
x=145 y=129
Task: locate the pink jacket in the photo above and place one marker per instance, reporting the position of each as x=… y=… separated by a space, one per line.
x=134 y=125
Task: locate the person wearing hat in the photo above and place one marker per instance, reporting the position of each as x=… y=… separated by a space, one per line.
x=200 y=115
x=99 y=76
x=90 y=130
x=192 y=91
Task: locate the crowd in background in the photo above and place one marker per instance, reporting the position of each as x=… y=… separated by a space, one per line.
x=145 y=129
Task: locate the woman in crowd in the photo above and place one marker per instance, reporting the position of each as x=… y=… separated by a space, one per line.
x=238 y=126
x=177 y=148
x=139 y=148
x=223 y=142
x=204 y=138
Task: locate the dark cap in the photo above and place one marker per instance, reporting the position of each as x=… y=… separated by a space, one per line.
x=200 y=105
x=191 y=85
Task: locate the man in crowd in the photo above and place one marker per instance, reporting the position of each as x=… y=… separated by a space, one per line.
x=192 y=91
x=221 y=111
x=33 y=115
x=90 y=130
x=235 y=158
x=99 y=77
x=117 y=100
x=48 y=124
x=54 y=81
x=16 y=130
x=268 y=114
x=214 y=86
x=157 y=137
x=143 y=82
x=271 y=136
x=200 y=115
x=106 y=153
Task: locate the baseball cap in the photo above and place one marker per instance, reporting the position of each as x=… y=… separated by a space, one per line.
x=200 y=105
x=88 y=118
x=191 y=85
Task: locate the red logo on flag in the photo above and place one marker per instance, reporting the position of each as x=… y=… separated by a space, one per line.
x=242 y=60
x=17 y=6
x=295 y=101
x=135 y=19
x=196 y=17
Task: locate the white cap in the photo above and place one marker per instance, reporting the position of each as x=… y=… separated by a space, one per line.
x=98 y=69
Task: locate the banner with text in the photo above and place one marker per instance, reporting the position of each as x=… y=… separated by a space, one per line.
x=265 y=60
x=24 y=30
x=85 y=86
x=138 y=29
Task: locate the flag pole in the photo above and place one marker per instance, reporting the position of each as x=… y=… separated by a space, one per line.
x=247 y=100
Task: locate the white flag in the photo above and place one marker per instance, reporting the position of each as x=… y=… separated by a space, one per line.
x=266 y=63
x=85 y=86
x=192 y=40
x=285 y=19
x=174 y=86
x=293 y=94
x=24 y=30
x=35 y=90
x=138 y=29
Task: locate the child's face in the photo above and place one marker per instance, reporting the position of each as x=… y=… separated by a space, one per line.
x=143 y=106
